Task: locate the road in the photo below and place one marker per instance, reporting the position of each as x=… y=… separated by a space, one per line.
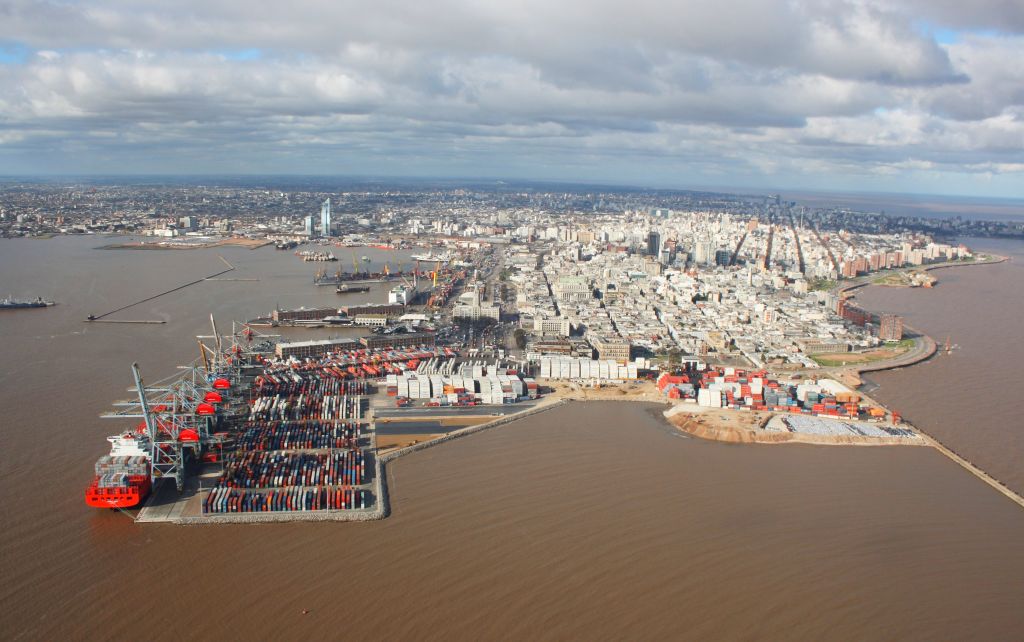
x=451 y=411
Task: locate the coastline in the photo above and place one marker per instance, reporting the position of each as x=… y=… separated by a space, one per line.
x=723 y=426
x=864 y=281
x=728 y=427
x=252 y=244
x=963 y=462
x=928 y=348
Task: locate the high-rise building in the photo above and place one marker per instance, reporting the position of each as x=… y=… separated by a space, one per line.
x=653 y=243
x=723 y=258
x=325 y=218
x=308 y=227
x=704 y=252
x=890 y=328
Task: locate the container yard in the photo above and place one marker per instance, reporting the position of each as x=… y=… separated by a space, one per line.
x=739 y=406
x=250 y=438
x=835 y=428
x=742 y=390
x=304 y=448
x=606 y=370
x=283 y=439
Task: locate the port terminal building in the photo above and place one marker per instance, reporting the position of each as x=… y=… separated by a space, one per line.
x=320 y=347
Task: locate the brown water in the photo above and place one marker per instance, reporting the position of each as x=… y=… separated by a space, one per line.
x=590 y=521
x=971 y=399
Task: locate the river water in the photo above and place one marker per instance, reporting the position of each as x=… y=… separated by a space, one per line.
x=588 y=521
x=971 y=398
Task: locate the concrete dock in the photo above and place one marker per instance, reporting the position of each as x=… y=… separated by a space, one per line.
x=166 y=505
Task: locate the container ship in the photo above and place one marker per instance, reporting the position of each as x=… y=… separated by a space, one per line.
x=12 y=303
x=122 y=477
x=346 y=288
x=430 y=257
x=313 y=255
x=339 y=277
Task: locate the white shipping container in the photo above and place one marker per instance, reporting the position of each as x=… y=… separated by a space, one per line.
x=704 y=397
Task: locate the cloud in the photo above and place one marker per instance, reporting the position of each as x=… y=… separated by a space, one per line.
x=802 y=91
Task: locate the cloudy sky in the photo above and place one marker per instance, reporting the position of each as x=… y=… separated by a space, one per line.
x=877 y=95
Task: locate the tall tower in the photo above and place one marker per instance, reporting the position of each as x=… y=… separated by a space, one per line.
x=653 y=243
x=325 y=218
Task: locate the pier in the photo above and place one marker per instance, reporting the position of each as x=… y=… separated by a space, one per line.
x=99 y=317
x=972 y=469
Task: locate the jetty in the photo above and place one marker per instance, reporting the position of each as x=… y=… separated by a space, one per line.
x=99 y=317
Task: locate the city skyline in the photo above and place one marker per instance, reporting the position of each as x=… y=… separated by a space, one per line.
x=913 y=97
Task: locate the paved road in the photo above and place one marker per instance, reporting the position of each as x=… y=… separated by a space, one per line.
x=428 y=413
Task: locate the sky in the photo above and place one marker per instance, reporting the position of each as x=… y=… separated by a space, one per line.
x=922 y=96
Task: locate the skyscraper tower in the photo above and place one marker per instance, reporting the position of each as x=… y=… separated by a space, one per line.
x=653 y=243
x=325 y=218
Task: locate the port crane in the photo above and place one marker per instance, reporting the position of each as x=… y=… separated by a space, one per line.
x=176 y=418
x=181 y=413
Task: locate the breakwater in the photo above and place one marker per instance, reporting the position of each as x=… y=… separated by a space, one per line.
x=98 y=317
x=469 y=430
x=973 y=469
x=384 y=504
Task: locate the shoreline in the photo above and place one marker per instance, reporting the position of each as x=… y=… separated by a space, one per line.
x=251 y=244
x=993 y=259
x=700 y=422
x=864 y=281
x=697 y=423
x=929 y=348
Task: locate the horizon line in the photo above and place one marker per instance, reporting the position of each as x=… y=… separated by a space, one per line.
x=723 y=189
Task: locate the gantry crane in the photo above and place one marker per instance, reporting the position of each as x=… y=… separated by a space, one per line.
x=180 y=414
